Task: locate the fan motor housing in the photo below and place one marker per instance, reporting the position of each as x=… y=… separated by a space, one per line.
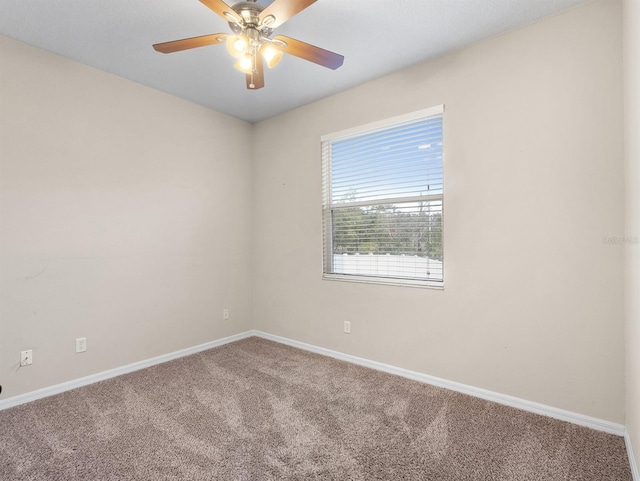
x=250 y=13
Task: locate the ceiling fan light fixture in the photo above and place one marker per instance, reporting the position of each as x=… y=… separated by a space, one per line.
x=245 y=63
x=237 y=45
x=270 y=54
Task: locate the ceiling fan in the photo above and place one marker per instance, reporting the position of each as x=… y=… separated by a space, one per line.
x=252 y=25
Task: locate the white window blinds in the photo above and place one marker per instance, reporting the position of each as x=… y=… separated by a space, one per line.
x=382 y=202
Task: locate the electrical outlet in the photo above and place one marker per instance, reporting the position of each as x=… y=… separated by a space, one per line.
x=347 y=327
x=81 y=344
x=26 y=357
x=225 y=314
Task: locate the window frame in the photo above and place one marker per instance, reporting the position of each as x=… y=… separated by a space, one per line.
x=328 y=206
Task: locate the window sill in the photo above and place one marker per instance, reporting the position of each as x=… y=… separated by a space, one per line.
x=438 y=285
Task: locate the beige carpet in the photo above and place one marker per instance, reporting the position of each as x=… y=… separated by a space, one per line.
x=258 y=410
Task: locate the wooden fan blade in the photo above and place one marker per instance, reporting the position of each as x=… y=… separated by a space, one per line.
x=193 y=42
x=222 y=9
x=255 y=80
x=283 y=10
x=309 y=52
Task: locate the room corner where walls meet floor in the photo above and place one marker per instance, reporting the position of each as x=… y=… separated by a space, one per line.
x=522 y=404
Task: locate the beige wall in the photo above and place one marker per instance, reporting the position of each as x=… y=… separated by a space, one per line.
x=124 y=217
x=533 y=303
x=632 y=177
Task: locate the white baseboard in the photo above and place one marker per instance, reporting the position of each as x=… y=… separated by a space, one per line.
x=635 y=472
x=530 y=406
x=101 y=376
x=561 y=414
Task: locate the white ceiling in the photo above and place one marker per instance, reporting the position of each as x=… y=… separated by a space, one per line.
x=375 y=36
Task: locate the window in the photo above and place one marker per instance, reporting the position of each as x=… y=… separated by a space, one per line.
x=382 y=201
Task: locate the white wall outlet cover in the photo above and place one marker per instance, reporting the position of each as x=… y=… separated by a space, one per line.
x=81 y=344
x=26 y=357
